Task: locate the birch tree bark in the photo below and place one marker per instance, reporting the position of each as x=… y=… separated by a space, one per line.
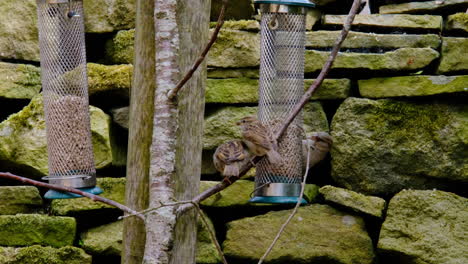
x=140 y=131
x=181 y=30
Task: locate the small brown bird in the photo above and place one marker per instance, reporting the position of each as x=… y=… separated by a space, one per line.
x=319 y=144
x=229 y=157
x=259 y=139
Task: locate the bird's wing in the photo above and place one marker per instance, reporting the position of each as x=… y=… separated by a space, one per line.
x=259 y=136
x=230 y=152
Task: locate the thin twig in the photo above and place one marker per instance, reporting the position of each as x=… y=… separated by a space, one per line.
x=299 y=200
x=305 y=98
x=93 y=197
x=149 y=210
x=214 y=36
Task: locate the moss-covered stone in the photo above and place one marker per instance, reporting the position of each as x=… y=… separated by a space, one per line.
x=113 y=188
x=220 y=73
x=389 y=22
x=109 y=16
x=359 y=40
x=451 y=60
x=36 y=229
x=245 y=90
x=235 y=49
x=120 y=49
x=19 y=81
x=44 y=255
x=457 y=23
x=220 y=126
x=368 y=205
x=206 y=252
x=18 y=36
x=19 y=200
x=105 y=240
x=109 y=80
x=383 y=146
x=404 y=59
x=23 y=143
x=121 y=116
x=429 y=7
x=418 y=85
x=242 y=9
x=425 y=227
x=238 y=194
x=316 y=234
x=245 y=25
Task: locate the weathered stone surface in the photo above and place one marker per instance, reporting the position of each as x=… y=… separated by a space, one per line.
x=369 y=205
x=19 y=200
x=235 y=49
x=359 y=40
x=457 y=23
x=109 y=16
x=242 y=9
x=452 y=60
x=109 y=80
x=245 y=90
x=418 y=85
x=120 y=49
x=121 y=116
x=19 y=81
x=36 y=229
x=425 y=227
x=429 y=7
x=44 y=255
x=316 y=234
x=238 y=194
x=220 y=126
x=245 y=25
x=105 y=240
x=389 y=22
x=222 y=73
x=113 y=188
x=18 y=30
x=404 y=59
x=23 y=143
x=19 y=33
x=384 y=146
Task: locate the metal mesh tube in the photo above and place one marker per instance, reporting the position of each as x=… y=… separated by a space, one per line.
x=65 y=92
x=281 y=87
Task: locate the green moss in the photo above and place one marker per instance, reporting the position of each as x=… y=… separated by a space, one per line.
x=19 y=81
x=246 y=25
x=105 y=78
x=236 y=90
x=235 y=49
x=451 y=61
x=44 y=255
x=120 y=49
x=32 y=229
x=20 y=199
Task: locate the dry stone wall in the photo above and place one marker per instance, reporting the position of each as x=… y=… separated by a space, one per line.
x=392 y=190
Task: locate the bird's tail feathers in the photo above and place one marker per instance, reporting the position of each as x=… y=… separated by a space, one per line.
x=274 y=157
x=231 y=170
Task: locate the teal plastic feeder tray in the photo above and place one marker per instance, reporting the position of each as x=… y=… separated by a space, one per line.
x=282 y=55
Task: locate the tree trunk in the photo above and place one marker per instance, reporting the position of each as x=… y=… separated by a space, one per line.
x=140 y=131
x=178 y=38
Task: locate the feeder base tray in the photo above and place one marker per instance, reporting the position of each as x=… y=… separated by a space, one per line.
x=277 y=199
x=53 y=194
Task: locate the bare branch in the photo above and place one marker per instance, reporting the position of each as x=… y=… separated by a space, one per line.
x=214 y=36
x=93 y=197
x=305 y=98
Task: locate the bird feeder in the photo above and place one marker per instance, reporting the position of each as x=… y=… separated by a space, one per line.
x=65 y=93
x=282 y=52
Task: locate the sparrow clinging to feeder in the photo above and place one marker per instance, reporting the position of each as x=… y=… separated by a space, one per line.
x=319 y=144
x=229 y=158
x=259 y=139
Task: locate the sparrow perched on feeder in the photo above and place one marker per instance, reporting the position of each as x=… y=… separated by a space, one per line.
x=319 y=144
x=259 y=139
x=229 y=158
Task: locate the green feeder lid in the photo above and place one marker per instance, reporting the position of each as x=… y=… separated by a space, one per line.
x=305 y=3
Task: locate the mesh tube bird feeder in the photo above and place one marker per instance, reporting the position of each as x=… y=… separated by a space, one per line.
x=65 y=93
x=282 y=52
